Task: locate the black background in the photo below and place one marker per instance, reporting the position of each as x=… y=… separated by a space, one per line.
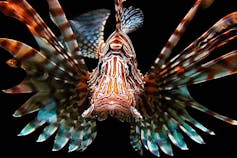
x=161 y=18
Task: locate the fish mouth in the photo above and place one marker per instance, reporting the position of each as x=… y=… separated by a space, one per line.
x=113 y=107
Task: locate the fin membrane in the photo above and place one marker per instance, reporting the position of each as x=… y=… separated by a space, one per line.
x=132 y=19
x=89 y=28
x=89 y=31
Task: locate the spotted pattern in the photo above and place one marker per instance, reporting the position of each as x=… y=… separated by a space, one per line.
x=89 y=31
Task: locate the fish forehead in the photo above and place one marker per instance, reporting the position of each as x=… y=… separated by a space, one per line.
x=118 y=42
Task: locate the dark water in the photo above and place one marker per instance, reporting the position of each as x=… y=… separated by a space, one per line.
x=161 y=18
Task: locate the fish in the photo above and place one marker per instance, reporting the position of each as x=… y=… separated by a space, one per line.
x=68 y=99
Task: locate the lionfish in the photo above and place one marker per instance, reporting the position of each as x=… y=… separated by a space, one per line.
x=69 y=99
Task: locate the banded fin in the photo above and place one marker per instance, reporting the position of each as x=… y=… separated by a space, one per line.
x=132 y=19
x=32 y=60
x=42 y=33
x=89 y=31
x=217 y=68
x=59 y=18
x=54 y=74
x=118 y=4
x=170 y=80
x=188 y=65
x=176 y=36
x=135 y=140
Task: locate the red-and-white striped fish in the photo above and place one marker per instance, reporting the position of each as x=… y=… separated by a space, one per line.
x=69 y=99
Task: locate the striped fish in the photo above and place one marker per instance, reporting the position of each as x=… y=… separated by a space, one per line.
x=68 y=99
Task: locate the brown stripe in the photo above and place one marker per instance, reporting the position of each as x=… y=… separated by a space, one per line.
x=6 y=8
x=65 y=27
x=30 y=12
x=13 y=46
x=38 y=29
x=56 y=12
x=28 y=54
x=168 y=45
x=69 y=38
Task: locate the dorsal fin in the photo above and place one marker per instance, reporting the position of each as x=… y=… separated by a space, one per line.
x=127 y=19
x=89 y=31
x=132 y=19
x=118 y=14
x=89 y=28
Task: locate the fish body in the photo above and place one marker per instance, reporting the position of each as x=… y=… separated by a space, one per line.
x=116 y=82
x=69 y=100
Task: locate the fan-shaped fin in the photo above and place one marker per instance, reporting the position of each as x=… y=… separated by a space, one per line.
x=155 y=137
x=76 y=138
x=89 y=31
x=132 y=19
x=23 y=12
x=153 y=146
x=55 y=75
x=89 y=135
x=32 y=60
x=166 y=96
x=187 y=65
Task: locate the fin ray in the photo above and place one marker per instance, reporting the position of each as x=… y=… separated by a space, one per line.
x=89 y=31
x=132 y=19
